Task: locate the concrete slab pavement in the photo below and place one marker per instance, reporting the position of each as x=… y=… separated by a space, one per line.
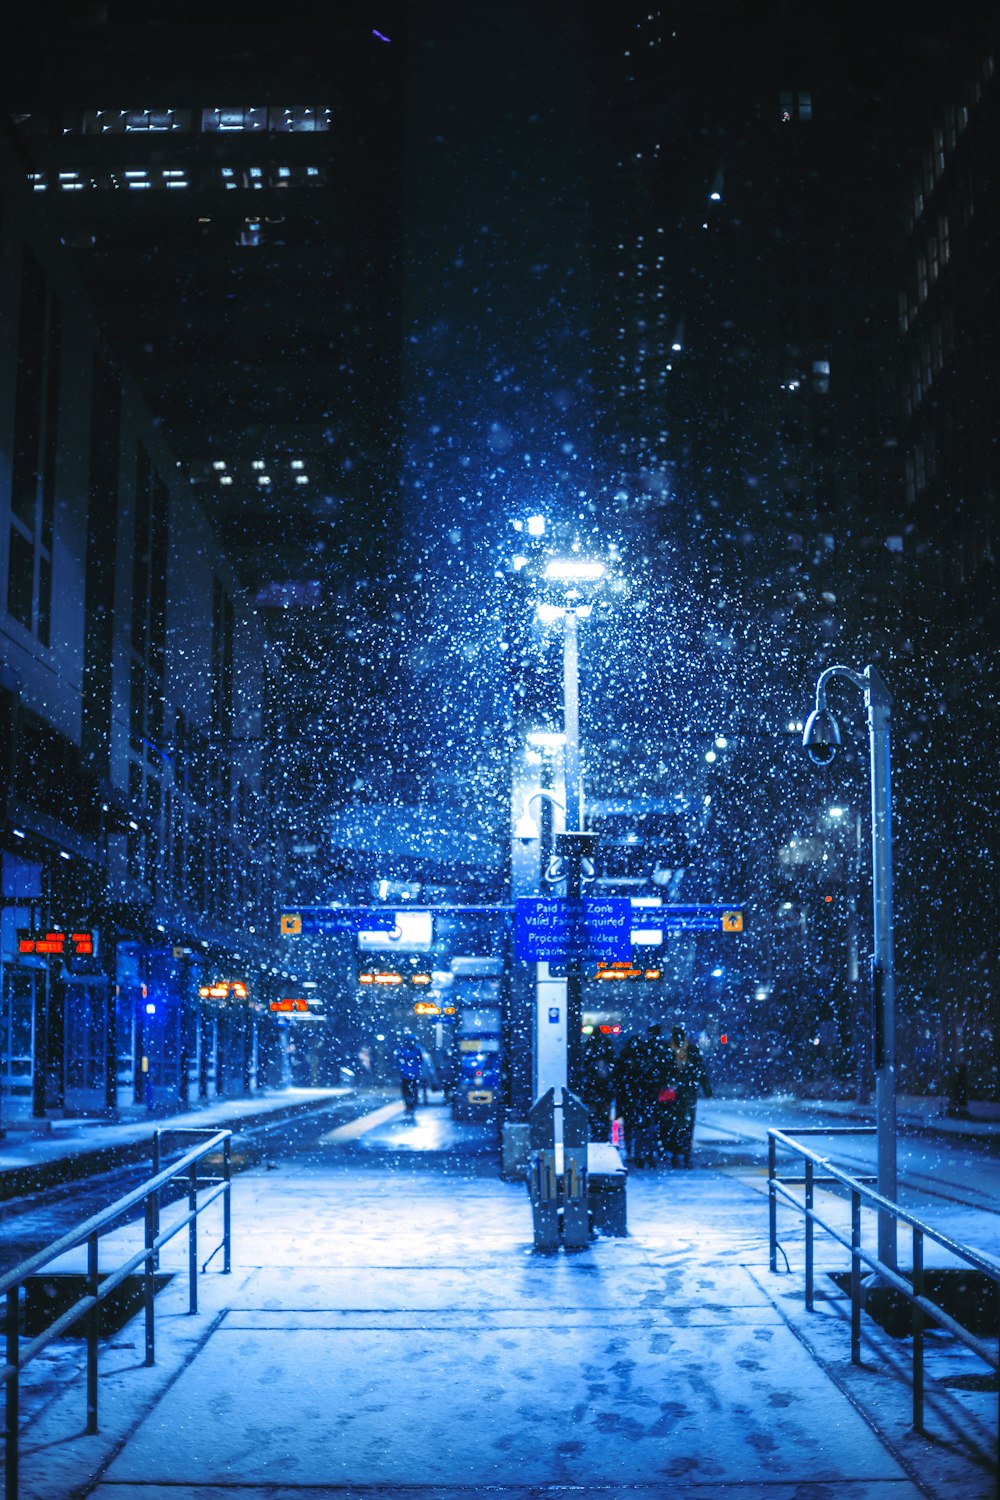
x=389 y=1331
x=393 y=1332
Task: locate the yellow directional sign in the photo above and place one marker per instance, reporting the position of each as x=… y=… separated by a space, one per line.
x=732 y=921
x=291 y=924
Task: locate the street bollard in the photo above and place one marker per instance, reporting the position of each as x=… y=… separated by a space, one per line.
x=559 y=1198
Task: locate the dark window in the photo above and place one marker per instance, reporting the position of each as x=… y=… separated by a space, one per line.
x=20 y=577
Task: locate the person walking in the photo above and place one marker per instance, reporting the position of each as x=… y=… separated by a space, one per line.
x=410 y=1062
x=686 y=1071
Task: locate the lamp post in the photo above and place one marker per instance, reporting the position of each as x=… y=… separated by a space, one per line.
x=575 y=847
x=821 y=737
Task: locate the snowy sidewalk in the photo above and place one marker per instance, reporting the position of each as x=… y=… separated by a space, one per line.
x=75 y=1148
x=392 y=1332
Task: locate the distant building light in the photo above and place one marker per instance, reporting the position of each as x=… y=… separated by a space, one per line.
x=677 y=348
x=135 y=172
x=257 y=463
x=298 y=463
x=519 y=562
x=837 y=812
x=710 y=756
x=549 y=613
x=69 y=176
x=225 y=478
x=721 y=742
x=573 y=570
x=218 y=463
x=227 y=172
x=536 y=525
x=264 y=479
x=63 y=854
x=18 y=833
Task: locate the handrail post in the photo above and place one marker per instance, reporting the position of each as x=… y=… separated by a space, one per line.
x=918 y=1330
x=772 y=1200
x=809 y=1235
x=855 y=1277
x=227 y=1220
x=193 y=1238
x=93 y=1332
x=12 y=1413
x=157 y=1164
x=148 y=1281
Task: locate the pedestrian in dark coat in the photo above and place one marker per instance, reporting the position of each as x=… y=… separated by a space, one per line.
x=646 y=1067
x=627 y=1090
x=598 y=1083
x=685 y=1072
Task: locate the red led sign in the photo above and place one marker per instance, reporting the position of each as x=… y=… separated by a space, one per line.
x=57 y=944
x=290 y=1005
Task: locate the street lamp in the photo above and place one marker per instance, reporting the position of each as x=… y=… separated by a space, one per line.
x=821 y=738
x=572 y=576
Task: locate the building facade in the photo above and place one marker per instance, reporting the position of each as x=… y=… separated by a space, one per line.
x=132 y=691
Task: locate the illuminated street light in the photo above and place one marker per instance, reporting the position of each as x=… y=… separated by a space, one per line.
x=546 y=739
x=821 y=739
x=574 y=570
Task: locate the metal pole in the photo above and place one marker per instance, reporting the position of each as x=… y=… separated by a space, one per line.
x=574 y=823
x=772 y=1202
x=571 y=713
x=93 y=1331
x=193 y=1238
x=12 y=1416
x=227 y=1221
x=878 y=704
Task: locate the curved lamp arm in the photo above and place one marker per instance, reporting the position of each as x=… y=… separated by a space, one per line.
x=526 y=828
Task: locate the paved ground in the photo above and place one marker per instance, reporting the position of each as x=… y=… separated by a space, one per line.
x=388 y=1330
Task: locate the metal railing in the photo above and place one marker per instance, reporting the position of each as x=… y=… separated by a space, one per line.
x=819 y=1171
x=87 y=1308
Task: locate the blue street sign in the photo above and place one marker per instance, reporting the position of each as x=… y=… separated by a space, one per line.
x=549 y=930
x=309 y=921
x=698 y=917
